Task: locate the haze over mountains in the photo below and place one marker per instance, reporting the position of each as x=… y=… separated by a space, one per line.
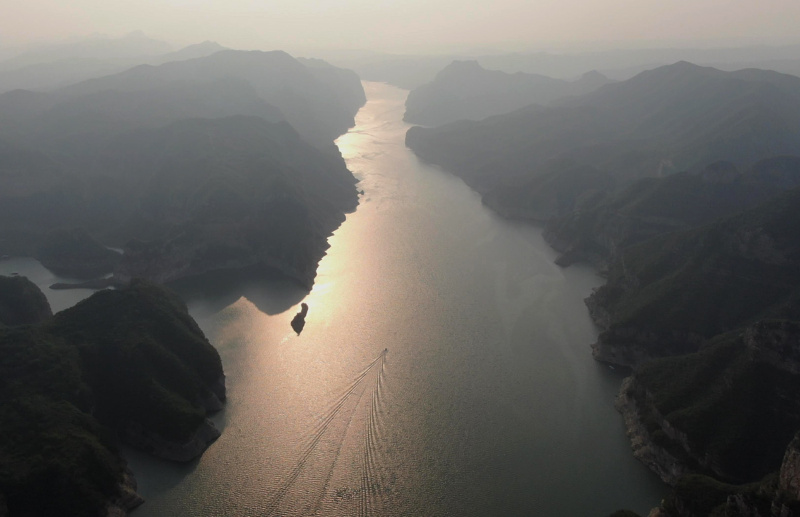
x=465 y=91
x=542 y=161
x=679 y=182
x=55 y=66
x=215 y=132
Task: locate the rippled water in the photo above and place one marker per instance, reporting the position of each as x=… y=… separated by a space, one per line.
x=444 y=368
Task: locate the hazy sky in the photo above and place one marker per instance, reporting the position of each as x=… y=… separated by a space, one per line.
x=398 y=25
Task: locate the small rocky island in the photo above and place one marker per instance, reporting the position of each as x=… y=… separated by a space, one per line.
x=123 y=366
x=299 y=320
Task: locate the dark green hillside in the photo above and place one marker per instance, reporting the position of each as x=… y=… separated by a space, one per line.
x=239 y=191
x=654 y=206
x=55 y=458
x=120 y=360
x=729 y=414
x=665 y=295
x=738 y=412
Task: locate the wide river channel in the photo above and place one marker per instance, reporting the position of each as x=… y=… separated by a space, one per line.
x=444 y=368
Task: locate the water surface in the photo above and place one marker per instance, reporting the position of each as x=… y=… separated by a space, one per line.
x=444 y=368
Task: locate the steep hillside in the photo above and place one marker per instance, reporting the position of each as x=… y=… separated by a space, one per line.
x=226 y=193
x=191 y=149
x=667 y=294
x=653 y=206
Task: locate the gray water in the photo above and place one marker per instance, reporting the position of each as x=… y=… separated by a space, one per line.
x=444 y=369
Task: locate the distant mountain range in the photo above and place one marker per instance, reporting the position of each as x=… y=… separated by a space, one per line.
x=543 y=162
x=51 y=67
x=319 y=101
x=465 y=91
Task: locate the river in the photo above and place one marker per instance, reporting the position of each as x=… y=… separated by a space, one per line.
x=444 y=368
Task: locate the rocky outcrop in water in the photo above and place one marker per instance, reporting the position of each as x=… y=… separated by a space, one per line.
x=299 y=320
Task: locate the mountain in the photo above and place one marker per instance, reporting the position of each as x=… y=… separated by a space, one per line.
x=195 y=195
x=63 y=71
x=135 y=45
x=196 y=50
x=226 y=193
x=127 y=364
x=73 y=252
x=721 y=425
x=319 y=102
x=72 y=129
x=652 y=206
x=465 y=91
x=668 y=294
x=100 y=157
x=543 y=162
x=709 y=317
x=54 y=66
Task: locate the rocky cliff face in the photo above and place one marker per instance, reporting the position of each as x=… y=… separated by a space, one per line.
x=632 y=403
x=715 y=424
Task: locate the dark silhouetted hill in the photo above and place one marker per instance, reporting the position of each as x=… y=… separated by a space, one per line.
x=127 y=364
x=21 y=302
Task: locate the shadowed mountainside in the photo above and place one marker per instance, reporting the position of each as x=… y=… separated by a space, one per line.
x=128 y=364
x=607 y=224
x=186 y=158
